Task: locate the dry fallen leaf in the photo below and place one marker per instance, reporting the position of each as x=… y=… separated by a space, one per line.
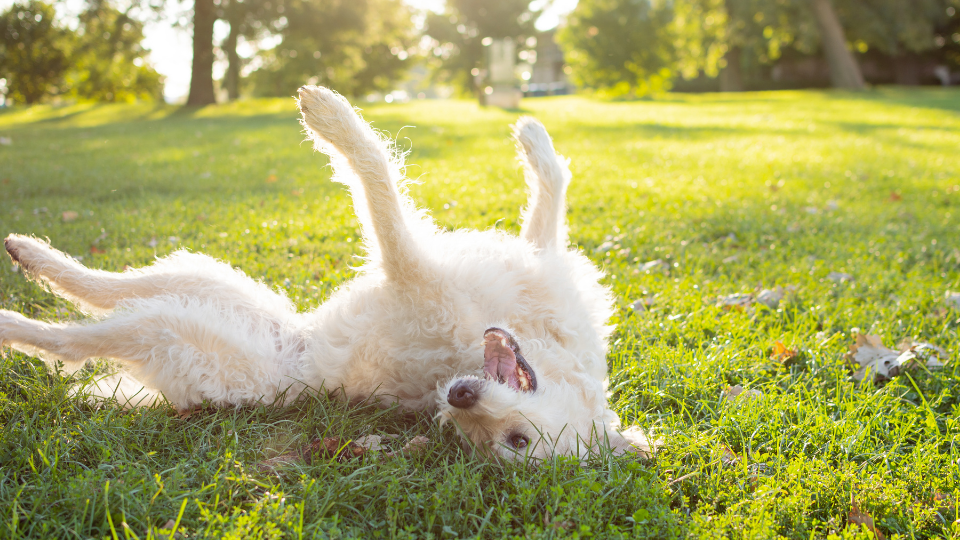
x=370 y=442
x=739 y=393
x=658 y=264
x=781 y=353
x=945 y=506
x=873 y=358
x=414 y=446
x=728 y=457
x=95 y=250
x=69 y=216
x=860 y=518
x=894 y=196
x=839 y=277
x=333 y=448
x=771 y=298
x=642 y=304
x=737 y=302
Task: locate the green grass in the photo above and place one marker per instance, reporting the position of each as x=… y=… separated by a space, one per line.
x=735 y=192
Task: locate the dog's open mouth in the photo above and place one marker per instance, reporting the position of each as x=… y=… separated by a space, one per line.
x=503 y=362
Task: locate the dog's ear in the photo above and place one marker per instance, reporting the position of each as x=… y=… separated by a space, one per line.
x=633 y=440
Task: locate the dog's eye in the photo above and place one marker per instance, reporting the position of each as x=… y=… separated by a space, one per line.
x=519 y=441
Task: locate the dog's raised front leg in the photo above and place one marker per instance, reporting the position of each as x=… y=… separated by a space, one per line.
x=547 y=175
x=187 y=349
x=182 y=273
x=366 y=163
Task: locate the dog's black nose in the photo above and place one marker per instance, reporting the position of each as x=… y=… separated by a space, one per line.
x=463 y=394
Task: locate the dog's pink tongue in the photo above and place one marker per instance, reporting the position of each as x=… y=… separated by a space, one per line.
x=499 y=361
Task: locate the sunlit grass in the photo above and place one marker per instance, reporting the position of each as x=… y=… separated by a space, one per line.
x=734 y=192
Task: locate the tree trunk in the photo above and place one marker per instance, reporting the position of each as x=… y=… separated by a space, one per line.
x=201 y=77
x=232 y=77
x=844 y=70
x=731 y=76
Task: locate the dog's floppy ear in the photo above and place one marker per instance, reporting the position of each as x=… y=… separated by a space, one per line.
x=632 y=439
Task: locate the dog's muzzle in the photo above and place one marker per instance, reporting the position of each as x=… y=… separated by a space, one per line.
x=464 y=393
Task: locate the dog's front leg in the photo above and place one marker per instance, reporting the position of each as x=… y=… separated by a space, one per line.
x=366 y=163
x=547 y=176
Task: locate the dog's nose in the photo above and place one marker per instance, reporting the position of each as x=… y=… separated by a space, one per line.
x=463 y=394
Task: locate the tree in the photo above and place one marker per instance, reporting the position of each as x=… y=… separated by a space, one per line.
x=250 y=19
x=731 y=37
x=844 y=70
x=33 y=51
x=623 y=47
x=898 y=29
x=201 y=73
x=101 y=60
x=460 y=31
x=107 y=63
x=354 y=46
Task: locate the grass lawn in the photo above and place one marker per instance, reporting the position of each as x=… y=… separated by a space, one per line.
x=735 y=193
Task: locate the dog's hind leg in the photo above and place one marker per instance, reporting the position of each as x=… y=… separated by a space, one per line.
x=365 y=162
x=182 y=273
x=188 y=349
x=547 y=176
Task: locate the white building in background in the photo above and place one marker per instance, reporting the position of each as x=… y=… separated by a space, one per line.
x=546 y=73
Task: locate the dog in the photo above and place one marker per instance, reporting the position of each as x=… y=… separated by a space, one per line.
x=504 y=337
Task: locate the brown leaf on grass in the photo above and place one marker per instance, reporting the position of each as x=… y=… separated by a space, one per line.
x=333 y=448
x=895 y=197
x=184 y=414
x=657 y=264
x=738 y=302
x=873 y=358
x=945 y=506
x=738 y=394
x=95 y=250
x=728 y=457
x=781 y=353
x=556 y=525
x=771 y=297
x=271 y=179
x=859 y=518
x=839 y=277
x=642 y=304
x=69 y=216
x=414 y=446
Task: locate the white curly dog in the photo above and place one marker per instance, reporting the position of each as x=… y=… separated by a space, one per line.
x=504 y=337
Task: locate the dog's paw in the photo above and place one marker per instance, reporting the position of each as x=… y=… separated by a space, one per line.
x=26 y=251
x=531 y=135
x=328 y=116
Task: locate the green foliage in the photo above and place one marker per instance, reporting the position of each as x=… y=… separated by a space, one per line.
x=893 y=26
x=107 y=63
x=33 y=51
x=102 y=61
x=621 y=47
x=735 y=192
x=458 y=35
x=760 y=29
x=355 y=46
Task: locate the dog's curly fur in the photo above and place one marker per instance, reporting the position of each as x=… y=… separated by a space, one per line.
x=504 y=337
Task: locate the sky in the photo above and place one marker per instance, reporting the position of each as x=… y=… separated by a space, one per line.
x=171 y=51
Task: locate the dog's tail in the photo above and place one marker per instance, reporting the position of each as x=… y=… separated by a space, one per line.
x=366 y=162
x=548 y=175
